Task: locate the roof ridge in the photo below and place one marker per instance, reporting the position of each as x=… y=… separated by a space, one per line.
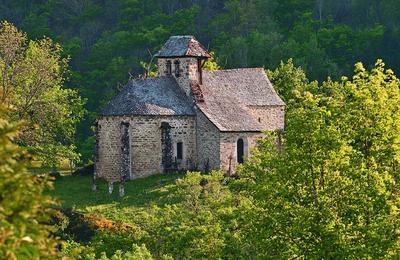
x=237 y=69
x=181 y=46
x=150 y=78
x=187 y=35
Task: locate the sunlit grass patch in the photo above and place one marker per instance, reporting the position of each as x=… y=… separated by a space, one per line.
x=75 y=192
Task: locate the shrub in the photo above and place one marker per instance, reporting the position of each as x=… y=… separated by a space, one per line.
x=24 y=210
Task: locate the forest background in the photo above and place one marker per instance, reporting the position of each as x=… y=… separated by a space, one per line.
x=109 y=41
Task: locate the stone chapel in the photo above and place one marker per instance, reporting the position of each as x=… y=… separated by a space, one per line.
x=185 y=118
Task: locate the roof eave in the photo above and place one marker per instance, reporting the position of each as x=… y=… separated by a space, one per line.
x=182 y=56
x=241 y=131
x=149 y=115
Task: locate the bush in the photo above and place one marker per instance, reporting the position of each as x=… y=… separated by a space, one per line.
x=136 y=253
x=24 y=210
x=73 y=225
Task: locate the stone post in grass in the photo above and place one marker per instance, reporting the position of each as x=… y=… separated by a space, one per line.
x=110 y=187
x=121 y=189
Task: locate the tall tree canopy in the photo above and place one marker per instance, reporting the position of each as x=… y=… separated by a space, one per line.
x=332 y=191
x=32 y=75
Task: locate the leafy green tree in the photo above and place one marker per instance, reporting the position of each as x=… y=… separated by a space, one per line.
x=204 y=222
x=23 y=209
x=289 y=80
x=331 y=191
x=211 y=64
x=108 y=39
x=32 y=75
x=150 y=69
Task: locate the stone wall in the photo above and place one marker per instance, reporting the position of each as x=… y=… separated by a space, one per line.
x=271 y=117
x=184 y=130
x=188 y=71
x=208 y=148
x=203 y=143
x=228 y=148
x=109 y=149
x=145 y=144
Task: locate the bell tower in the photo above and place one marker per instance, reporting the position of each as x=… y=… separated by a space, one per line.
x=183 y=57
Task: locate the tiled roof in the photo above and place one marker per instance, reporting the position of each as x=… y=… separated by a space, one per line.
x=228 y=94
x=151 y=96
x=226 y=98
x=181 y=46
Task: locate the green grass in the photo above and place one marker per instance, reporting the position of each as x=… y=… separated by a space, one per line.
x=140 y=194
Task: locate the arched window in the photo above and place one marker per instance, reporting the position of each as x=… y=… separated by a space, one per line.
x=177 y=68
x=169 y=67
x=240 y=150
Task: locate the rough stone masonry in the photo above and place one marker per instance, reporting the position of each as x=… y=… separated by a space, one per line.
x=186 y=118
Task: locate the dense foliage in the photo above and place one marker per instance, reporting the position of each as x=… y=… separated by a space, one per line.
x=31 y=81
x=137 y=253
x=326 y=187
x=107 y=39
x=24 y=211
x=332 y=190
x=199 y=217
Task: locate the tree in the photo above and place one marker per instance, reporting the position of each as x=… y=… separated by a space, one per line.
x=204 y=221
x=23 y=209
x=211 y=63
x=289 y=79
x=332 y=191
x=32 y=75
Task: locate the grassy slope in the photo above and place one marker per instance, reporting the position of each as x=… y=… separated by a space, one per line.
x=75 y=192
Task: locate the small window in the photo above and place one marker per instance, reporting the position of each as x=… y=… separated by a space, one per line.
x=240 y=150
x=169 y=67
x=177 y=68
x=259 y=120
x=179 y=151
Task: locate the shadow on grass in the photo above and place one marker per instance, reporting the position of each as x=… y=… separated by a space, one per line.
x=75 y=192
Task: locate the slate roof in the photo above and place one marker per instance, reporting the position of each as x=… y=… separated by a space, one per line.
x=229 y=94
x=183 y=46
x=151 y=96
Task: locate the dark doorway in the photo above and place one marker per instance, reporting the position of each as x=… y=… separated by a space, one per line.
x=169 y=67
x=177 y=69
x=240 y=150
x=179 y=151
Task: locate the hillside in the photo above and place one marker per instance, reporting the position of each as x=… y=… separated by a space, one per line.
x=108 y=40
x=297 y=159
